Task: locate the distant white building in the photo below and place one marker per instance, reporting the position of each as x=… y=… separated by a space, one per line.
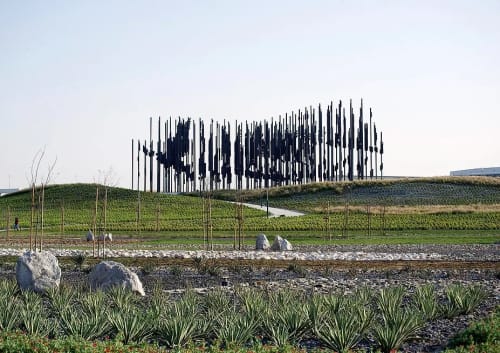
x=494 y=171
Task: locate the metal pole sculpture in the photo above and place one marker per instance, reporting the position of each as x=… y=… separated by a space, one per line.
x=158 y=158
x=301 y=147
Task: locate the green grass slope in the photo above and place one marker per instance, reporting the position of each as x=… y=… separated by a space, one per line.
x=420 y=204
x=390 y=192
x=78 y=202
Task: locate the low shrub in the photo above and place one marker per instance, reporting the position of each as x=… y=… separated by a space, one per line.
x=486 y=331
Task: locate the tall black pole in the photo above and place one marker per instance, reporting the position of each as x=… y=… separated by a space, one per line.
x=145 y=150
x=158 y=157
x=371 y=146
x=381 y=155
x=151 y=154
x=133 y=162
x=138 y=164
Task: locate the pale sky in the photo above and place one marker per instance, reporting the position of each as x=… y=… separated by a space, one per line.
x=82 y=78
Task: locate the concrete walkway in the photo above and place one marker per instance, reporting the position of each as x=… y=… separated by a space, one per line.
x=275 y=212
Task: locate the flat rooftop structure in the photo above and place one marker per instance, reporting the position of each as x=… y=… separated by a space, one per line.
x=494 y=171
x=7 y=191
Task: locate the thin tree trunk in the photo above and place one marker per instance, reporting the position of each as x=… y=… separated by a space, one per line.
x=95 y=221
x=104 y=230
x=37 y=224
x=62 y=218
x=41 y=221
x=158 y=218
x=138 y=212
x=8 y=223
x=32 y=215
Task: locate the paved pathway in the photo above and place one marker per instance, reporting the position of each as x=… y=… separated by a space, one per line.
x=275 y=212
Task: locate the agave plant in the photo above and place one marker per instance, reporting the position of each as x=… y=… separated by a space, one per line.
x=286 y=325
x=215 y=304
x=316 y=312
x=364 y=316
x=474 y=296
x=396 y=328
x=158 y=302
x=94 y=303
x=83 y=315
x=9 y=313
x=176 y=331
x=81 y=323
x=122 y=298
x=462 y=299
x=389 y=300
x=454 y=300
x=284 y=298
x=235 y=329
x=341 y=332
x=33 y=315
x=131 y=325
x=8 y=288
x=425 y=301
x=61 y=299
x=253 y=303
x=363 y=295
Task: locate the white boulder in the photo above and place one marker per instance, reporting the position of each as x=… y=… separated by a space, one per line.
x=261 y=242
x=38 y=271
x=281 y=244
x=107 y=274
x=106 y=237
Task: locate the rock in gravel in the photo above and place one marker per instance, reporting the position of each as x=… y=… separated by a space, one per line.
x=262 y=243
x=106 y=237
x=281 y=244
x=38 y=271
x=107 y=274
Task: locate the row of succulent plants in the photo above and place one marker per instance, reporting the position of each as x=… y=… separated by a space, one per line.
x=242 y=317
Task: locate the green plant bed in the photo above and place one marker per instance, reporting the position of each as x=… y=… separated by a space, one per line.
x=222 y=319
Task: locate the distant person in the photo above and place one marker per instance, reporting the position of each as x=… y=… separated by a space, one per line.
x=16 y=224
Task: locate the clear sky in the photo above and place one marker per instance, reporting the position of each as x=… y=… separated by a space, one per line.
x=83 y=77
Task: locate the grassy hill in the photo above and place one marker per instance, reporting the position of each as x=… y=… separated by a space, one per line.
x=391 y=192
x=78 y=201
x=420 y=204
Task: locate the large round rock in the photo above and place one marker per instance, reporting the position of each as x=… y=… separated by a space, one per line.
x=107 y=274
x=38 y=271
x=261 y=243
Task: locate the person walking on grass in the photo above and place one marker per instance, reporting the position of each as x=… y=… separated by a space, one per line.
x=16 y=224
